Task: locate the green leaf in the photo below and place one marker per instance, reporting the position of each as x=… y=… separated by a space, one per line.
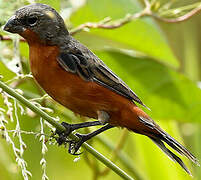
x=141 y=35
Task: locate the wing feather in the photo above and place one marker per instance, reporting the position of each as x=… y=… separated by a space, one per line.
x=90 y=68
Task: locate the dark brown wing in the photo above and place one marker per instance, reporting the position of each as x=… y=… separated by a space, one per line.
x=89 y=67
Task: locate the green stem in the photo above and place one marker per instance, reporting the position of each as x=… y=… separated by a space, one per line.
x=123 y=158
x=59 y=127
x=107 y=162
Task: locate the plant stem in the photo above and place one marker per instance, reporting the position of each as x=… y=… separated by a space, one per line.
x=59 y=127
x=123 y=158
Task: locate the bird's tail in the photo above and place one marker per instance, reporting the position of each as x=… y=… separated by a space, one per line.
x=171 y=155
x=158 y=136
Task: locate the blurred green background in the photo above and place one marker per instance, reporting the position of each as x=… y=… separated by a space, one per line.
x=160 y=61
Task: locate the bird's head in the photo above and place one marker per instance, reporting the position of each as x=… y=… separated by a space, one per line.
x=37 y=22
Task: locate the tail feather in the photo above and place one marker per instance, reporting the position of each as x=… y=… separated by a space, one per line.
x=177 y=146
x=170 y=154
x=158 y=136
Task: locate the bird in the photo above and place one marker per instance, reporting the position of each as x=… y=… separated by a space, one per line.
x=76 y=78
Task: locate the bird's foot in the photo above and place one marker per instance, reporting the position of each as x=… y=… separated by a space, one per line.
x=62 y=139
x=74 y=146
x=71 y=127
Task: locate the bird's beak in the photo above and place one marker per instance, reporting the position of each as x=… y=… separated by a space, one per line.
x=13 y=26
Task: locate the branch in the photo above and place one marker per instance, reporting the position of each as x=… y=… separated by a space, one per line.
x=59 y=127
x=179 y=19
x=107 y=24
x=171 y=12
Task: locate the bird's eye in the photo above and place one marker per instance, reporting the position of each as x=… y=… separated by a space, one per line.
x=31 y=21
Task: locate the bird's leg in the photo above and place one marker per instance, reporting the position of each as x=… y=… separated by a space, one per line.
x=71 y=127
x=103 y=118
x=74 y=146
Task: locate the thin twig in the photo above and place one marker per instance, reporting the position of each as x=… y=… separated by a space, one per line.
x=179 y=19
x=107 y=24
x=174 y=11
